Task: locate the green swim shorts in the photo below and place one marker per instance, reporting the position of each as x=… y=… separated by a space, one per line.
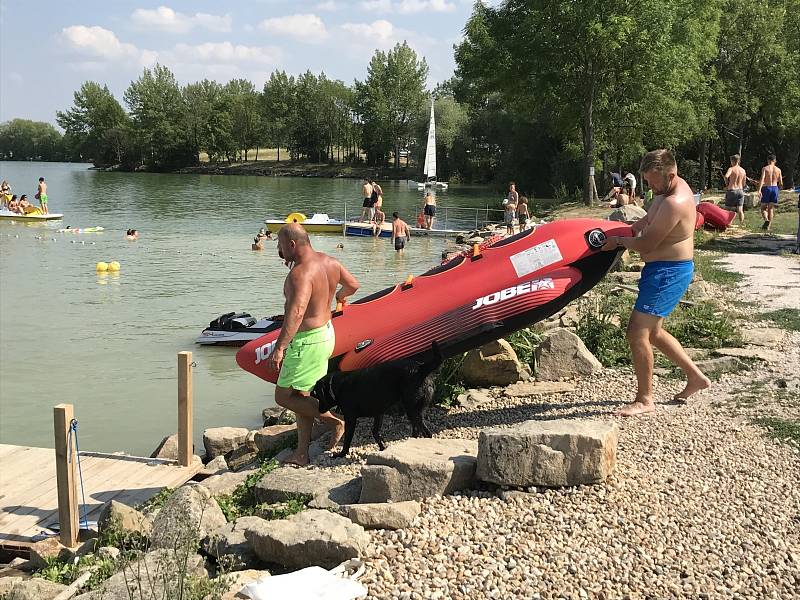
x=306 y=358
x=43 y=199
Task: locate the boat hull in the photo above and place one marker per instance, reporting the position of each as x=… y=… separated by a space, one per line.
x=467 y=301
x=276 y=226
x=365 y=230
x=9 y=216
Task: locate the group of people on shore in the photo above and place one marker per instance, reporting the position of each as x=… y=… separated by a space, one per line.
x=623 y=190
x=20 y=205
x=515 y=206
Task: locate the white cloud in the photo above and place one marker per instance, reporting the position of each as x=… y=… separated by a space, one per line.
x=307 y=28
x=102 y=44
x=165 y=19
x=223 y=53
x=380 y=32
x=408 y=6
x=329 y=5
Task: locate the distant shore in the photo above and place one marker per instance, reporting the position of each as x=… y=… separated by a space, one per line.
x=301 y=169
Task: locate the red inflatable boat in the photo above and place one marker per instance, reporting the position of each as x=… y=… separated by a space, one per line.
x=465 y=302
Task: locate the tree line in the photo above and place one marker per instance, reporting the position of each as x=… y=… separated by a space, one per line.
x=544 y=92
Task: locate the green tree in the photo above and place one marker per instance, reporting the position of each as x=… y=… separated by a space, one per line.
x=583 y=64
x=94 y=112
x=157 y=110
x=245 y=115
x=390 y=101
x=21 y=139
x=277 y=99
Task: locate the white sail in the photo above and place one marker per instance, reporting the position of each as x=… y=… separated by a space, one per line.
x=430 y=151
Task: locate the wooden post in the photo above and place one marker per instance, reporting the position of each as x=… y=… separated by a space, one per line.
x=184 y=408
x=65 y=476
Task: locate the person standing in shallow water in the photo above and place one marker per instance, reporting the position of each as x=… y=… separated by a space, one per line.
x=665 y=239
x=307 y=338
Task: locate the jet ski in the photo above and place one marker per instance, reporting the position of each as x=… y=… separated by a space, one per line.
x=236 y=329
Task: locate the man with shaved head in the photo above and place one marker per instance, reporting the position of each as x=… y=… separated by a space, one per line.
x=307 y=339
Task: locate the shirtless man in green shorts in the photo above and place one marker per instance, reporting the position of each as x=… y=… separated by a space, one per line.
x=307 y=339
x=41 y=195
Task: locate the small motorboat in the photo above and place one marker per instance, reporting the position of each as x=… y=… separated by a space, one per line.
x=317 y=223
x=236 y=329
x=360 y=229
x=35 y=215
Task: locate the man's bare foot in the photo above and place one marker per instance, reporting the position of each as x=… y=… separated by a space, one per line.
x=692 y=387
x=297 y=458
x=337 y=431
x=637 y=407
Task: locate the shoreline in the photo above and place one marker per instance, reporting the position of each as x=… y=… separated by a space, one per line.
x=288 y=169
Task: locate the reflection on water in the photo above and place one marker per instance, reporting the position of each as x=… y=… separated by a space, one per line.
x=107 y=342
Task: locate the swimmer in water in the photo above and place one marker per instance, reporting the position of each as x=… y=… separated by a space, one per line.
x=132 y=235
x=261 y=237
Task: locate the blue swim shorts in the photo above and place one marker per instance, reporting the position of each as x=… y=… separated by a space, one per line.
x=662 y=285
x=769 y=194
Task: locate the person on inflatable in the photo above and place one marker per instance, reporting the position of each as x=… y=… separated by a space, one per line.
x=13 y=205
x=665 y=239
x=5 y=193
x=769 y=188
x=307 y=339
x=25 y=207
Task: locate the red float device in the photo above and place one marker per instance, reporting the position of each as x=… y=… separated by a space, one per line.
x=465 y=302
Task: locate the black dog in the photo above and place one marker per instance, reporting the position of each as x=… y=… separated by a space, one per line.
x=370 y=392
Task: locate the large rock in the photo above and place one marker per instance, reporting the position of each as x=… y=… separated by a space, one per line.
x=548 y=453
x=630 y=213
x=495 y=363
x=17 y=588
x=563 y=354
x=418 y=468
x=277 y=415
x=229 y=540
x=383 y=515
x=473 y=399
x=167 y=449
x=234 y=582
x=531 y=388
x=762 y=336
x=155 y=576
x=311 y=537
x=723 y=364
x=215 y=466
x=327 y=489
x=224 y=483
x=119 y=516
x=189 y=515
x=49 y=549
x=273 y=438
x=220 y=440
x=764 y=354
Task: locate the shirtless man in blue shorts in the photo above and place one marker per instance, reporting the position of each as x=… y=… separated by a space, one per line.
x=769 y=188
x=665 y=239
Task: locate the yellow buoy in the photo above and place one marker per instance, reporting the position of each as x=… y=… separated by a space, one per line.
x=296 y=217
x=102 y=266
x=113 y=266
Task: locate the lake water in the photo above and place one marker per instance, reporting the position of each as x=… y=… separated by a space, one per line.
x=107 y=343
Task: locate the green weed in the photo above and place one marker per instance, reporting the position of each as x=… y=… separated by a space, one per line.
x=706 y=264
x=785 y=318
x=157 y=501
x=781 y=429
x=702 y=326
x=448 y=384
x=242 y=501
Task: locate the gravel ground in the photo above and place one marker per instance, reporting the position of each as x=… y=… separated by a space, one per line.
x=702 y=504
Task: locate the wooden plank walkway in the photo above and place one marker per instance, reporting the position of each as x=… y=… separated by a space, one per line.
x=29 y=499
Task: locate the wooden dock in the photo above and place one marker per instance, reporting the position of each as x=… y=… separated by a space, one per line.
x=29 y=496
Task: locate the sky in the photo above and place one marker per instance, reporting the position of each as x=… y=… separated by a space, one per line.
x=49 y=48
